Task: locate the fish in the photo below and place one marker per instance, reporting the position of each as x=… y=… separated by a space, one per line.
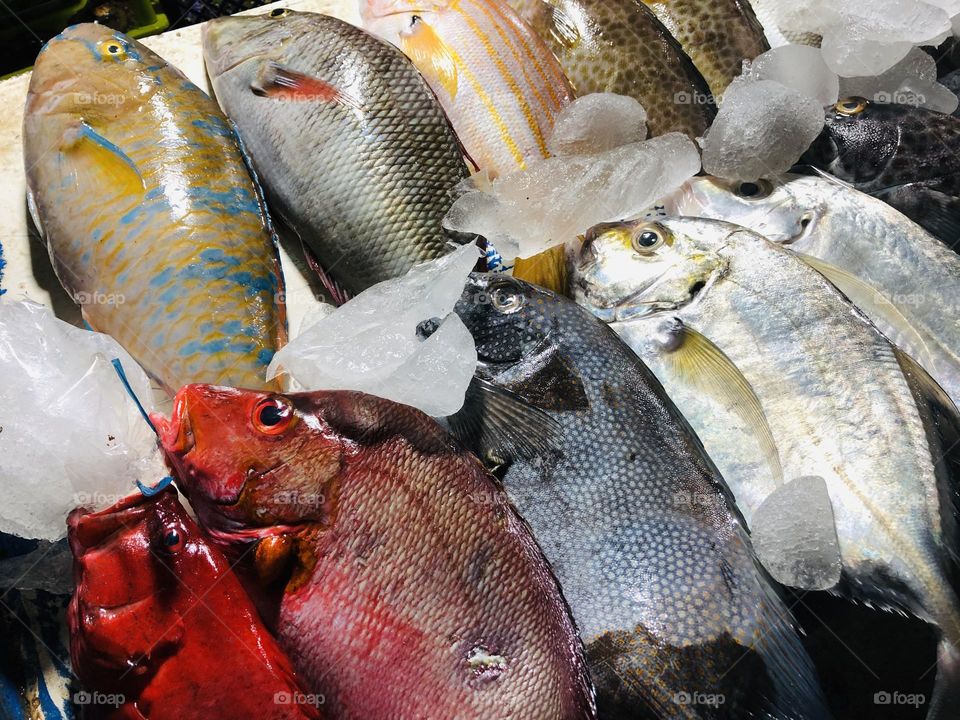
x=718 y=35
x=410 y=588
x=902 y=277
x=154 y=223
x=499 y=83
x=619 y=46
x=157 y=609
x=843 y=405
x=907 y=156
x=367 y=186
x=677 y=619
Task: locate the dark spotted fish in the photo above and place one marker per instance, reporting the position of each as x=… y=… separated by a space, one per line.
x=678 y=620
x=620 y=46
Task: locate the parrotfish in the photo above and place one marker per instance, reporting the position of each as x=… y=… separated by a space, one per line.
x=160 y=627
x=500 y=84
x=410 y=586
x=154 y=223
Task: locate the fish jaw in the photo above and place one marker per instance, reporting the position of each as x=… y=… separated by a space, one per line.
x=231 y=41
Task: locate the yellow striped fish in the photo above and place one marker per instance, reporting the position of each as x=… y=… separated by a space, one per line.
x=154 y=224
x=498 y=82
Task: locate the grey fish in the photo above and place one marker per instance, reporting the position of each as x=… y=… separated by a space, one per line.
x=620 y=46
x=907 y=156
x=904 y=279
x=354 y=150
x=677 y=618
x=842 y=404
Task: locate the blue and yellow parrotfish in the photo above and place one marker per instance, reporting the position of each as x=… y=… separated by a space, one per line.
x=154 y=223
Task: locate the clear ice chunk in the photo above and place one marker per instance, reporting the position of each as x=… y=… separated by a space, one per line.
x=598 y=122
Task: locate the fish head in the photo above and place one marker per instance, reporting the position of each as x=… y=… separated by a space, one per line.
x=859 y=139
x=136 y=565
x=637 y=268
x=92 y=73
x=399 y=21
x=230 y=41
x=784 y=210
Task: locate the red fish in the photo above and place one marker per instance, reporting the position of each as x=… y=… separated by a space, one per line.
x=411 y=588
x=161 y=628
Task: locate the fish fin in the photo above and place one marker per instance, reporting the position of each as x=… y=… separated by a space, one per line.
x=937 y=212
x=98 y=163
x=813 y=561
x=547 y=269
x=563 y=28
x=431 y=54
x=337 y=293
x=946 y=689
x=695 y=360
x=882 y=311
x=280 y=83
x=804 y=169
x=499 y=426
x=941 y=420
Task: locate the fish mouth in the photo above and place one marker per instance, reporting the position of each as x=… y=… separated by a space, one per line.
x=88 y=529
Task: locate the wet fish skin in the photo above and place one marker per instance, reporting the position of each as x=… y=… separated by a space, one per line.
x=153 y=221
x=406 y=555
x=156 y=610
x=914 y=279
x=718 y=35
x=620 y=46
x=498 y=82
x=841 y=402
x=354 y=150
x=904 y=155
x=633 y=518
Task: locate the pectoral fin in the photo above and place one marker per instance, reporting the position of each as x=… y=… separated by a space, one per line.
x=280 y=83
x=430 y=54
x=98 y=164
x=695 y=360
x=878 y=308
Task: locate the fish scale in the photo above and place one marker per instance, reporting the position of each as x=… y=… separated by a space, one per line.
x=364 y=180
x=145 y=196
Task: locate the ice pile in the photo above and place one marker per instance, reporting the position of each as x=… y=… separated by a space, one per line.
x=866 y=37
x=795 y=537
x=555 y=200
x=799 y=68
x=761 y=129
x=374 y=342
x=598 y=122
x=912 y=81
x=69 y=433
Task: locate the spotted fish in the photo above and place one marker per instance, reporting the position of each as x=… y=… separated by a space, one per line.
x=154 y=224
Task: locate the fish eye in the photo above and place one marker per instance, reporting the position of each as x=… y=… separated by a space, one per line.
x=753 y=190
x=172 y=540
x=279 y=12
x=112 y=48
x=851 y=106
x=273 y=415
x=506 y=298
x=648 y=237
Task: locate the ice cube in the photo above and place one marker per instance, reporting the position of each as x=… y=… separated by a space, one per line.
x=795 y=537
x=762 y=128
x=597 y=122
x=555 y=200
x=799 y=68
x=371 y=343
x=912 y=81
x=69 y=433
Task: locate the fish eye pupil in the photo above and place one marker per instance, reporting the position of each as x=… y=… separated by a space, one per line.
x=278 y=12
x=414 y=19
x=171 y=538
x=648 y=238
x=749 y=189
x=271 y=415
x=113 y=49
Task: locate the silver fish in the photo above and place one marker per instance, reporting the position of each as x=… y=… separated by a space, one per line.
x=840 y=402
